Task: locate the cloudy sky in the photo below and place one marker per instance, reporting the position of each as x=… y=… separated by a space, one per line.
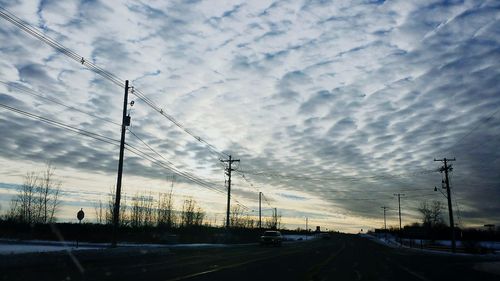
x=331 y=106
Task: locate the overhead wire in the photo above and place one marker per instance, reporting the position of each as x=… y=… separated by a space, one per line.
x=38 y=95
x=488 y=119
x=342 y=178
x=388 y=197
x=62 y=125
x=177 y=170
x=100 y=71
x=168 y=162
x=162 y=164
x=252 y=185
x=114 y=142
x=452 y=191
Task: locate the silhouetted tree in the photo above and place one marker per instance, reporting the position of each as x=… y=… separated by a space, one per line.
x=38 y=199
x=99 y=212
x=432 y=214
x=192 y=214
x=111 y=208
x=165 y=210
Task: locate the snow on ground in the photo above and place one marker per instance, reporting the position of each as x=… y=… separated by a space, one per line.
x=298 y=237
x=393 y=241
x=6 y=249
x=37 y=246
x=485 y=244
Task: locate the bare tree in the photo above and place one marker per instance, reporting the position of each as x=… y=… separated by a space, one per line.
x=249 y=222
x=38 y=199
x=192 y=214
x=165 y=210
x=147 y=205
x=236 y=216
x=99 y=208
x=136 y=211
x=273 y=222
x=48 y=195
x=270 y=223
x=199 y=216
x=141 y=210
x=122 y=216
x=22 y=208
x=432 y=214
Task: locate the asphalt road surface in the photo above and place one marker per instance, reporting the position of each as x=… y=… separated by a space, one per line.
x=344 y=257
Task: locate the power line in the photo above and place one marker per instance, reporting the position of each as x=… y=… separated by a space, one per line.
x=100 y=71
x=372 y=191
x=128 y=147
x=168 y=163
x=162 y=164
x=172 y=167
x=341 y=178
x=26 y=27
x=158 y=109
x=38 y=95
x=62 y=125
x=388 y=197
x=489 y=118
x=252 y=185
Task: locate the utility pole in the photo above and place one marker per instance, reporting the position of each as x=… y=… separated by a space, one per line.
x=260 y=209
x=228 y=173
x=276 y=218
x=116 y=209
x=307 y=227
x=445 y=168
x=385 y=224
x=399 y=204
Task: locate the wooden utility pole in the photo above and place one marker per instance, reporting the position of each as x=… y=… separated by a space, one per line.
x=399 y=206
x=228 y=173
x=260 y=209
x=276 y=218
x=445 y=168
x=116 y=207
x=385 y=224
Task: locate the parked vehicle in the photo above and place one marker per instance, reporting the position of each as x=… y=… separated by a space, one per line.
x=271 y=238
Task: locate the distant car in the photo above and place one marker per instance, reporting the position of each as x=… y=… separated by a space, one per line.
x=271 y=238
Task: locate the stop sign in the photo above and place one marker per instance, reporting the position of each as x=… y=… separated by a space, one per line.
x=80 y=215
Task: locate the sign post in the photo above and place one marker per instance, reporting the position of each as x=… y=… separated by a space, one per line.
x=80 y=215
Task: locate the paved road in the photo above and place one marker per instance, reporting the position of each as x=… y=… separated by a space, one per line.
x=344 y=257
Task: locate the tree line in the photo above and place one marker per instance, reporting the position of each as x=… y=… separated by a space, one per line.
x=147 y=210
x=38 y=202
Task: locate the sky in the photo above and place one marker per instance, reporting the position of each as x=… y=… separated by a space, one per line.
x=332 y=107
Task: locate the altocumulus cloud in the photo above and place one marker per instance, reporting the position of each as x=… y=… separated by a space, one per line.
x=331 y=106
